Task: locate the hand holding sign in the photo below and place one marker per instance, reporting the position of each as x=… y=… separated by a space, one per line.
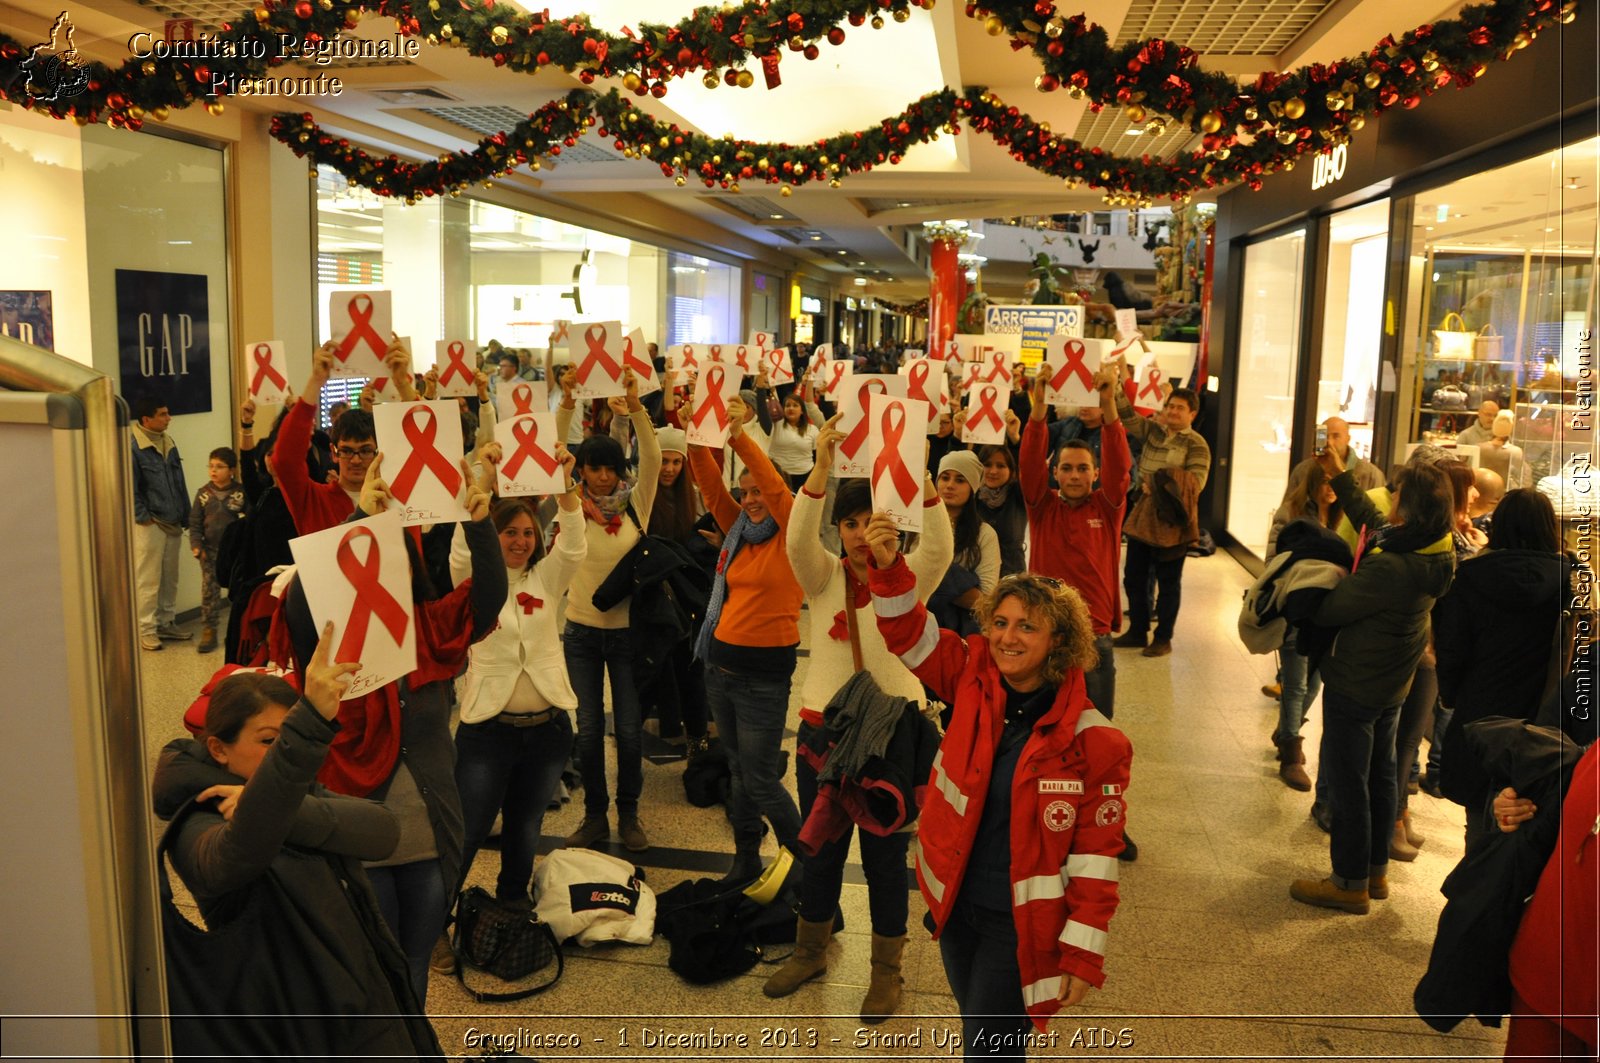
x=357 y=578
x=708 y=423
x=927 y=382
x=775 y=363
x=359 y=324
x=835 y=379
x=531 y=466
x=985 y=420
x=423 y=441
x=636 y=358
x=850 y=459
x=457 y=377
x=521 y=398
x=596 y=352
x=894 y=448
x=267 y=366
x=1146 y=388
x=1070 y=368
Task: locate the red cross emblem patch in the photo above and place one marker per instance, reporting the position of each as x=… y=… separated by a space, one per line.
x=1060 y=815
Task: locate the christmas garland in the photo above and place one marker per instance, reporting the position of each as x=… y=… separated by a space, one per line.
x=1246 y=134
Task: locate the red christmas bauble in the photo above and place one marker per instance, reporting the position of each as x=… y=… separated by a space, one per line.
x=835 y=36
x=303 y=9
x=590 y=46
x=812 y=51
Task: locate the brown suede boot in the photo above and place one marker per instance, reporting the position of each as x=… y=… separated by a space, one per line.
x=1400 y=848
x=808 y=959
x=1291 y=755
x=883 y=992
x=208 y=640
x=1411 y=831
x=1324 y=894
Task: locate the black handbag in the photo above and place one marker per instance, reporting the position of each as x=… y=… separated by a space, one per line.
x=285 y=976
x=508 y=941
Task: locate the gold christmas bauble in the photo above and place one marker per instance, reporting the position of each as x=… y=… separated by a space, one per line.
x=901 y=14
x=1210 y=122
x=1294 y=108
x=746 y=79
x=786 y=191
x=994 y=26
x=711 y=80
x=1372 y=79
x=499 y=35
x=632 y=82
x=1136 y=113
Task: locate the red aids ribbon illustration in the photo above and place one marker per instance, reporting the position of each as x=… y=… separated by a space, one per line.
x=835 y=375
x=997 y=368
x=952 y=353
x=361 y=331
x=714 y=352
x=761 y=340
x=858 y=435
x=1152 y=384
x=689 y=359
x=457 y=354
x=741 y=358
x=264 y=370
x=714 y=377
x=889 y=460
x=641 y=367
x=424 y=455
x=372 y=598
x=594 y=338
x=919 y=382
x=521 y=400
x=526 y=432
x=1074 y=366
x=560 y=333
x=528 y=602
x=988 y=396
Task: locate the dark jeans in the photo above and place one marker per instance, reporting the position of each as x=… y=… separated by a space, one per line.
x=1359 y=764
x=979 y=949
x=514 y=770
x=883 y=860
x=677 y=692
x=1101 y=683
x=1142 y=563
x=750 y=711
x=1416 y=713
x=591 y=653
x=415 y=903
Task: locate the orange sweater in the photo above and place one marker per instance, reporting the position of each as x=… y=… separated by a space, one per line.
x=763 y=603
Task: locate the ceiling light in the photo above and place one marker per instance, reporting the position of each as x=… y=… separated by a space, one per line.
x=1549 y=230
x=1133 y=133
x=816 y=236
x=861 y=281
x=1427 y=228
x=775 y=217
x=842 y=252
x=1573 y=182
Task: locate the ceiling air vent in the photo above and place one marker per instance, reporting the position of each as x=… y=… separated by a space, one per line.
x=413 y=97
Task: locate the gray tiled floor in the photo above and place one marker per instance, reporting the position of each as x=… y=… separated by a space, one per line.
x=1208 y=956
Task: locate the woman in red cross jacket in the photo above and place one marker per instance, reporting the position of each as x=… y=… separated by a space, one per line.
x=1023 y=816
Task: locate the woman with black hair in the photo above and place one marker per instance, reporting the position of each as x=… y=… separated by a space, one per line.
x=515 y=733
x=598 y=642
x=261 y=825
x=1402 y=566
x=999 y=504
x=1500 y=636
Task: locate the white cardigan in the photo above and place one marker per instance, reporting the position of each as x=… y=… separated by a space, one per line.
x=522 y=642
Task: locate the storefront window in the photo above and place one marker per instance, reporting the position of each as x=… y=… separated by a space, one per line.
x=766 y=302
x=1502 y=280
x=702 y=300
x=1269 y=361
x=1352 y=323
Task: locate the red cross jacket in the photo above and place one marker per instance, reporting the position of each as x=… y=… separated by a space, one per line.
x=1067 y=799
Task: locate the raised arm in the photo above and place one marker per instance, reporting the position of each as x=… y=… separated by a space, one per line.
x=1033 y=461
x=934 y=655
x=936 y=546
x=644 y=433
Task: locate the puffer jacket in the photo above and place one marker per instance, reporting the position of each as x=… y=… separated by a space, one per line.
x=1067 y=799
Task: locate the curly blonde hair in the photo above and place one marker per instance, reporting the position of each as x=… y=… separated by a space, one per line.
x=1054 y=603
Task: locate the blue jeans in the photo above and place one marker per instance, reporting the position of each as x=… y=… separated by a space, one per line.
x=415 y=902
x=750 y=711
x=1143 y=564
x=979 y=949
x=515 y=770
x=591 y=653
x=1359 y=764
x=883 y=861
x=1300 y=688
x=1101 y=683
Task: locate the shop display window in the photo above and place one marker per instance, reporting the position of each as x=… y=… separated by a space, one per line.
x=1352 y=321
x=1269 y=363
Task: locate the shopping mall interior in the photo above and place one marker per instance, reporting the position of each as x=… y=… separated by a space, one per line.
x=1385 y=213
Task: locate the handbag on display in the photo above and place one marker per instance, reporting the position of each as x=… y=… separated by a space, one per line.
x=1454 y=343
x=1449 y=397
x=1486 y=345
x=508 y=941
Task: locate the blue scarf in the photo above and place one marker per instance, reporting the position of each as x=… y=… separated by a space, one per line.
x=743 y=531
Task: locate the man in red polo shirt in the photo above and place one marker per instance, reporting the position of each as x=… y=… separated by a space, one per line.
x=315 y=506
x=1077 y=533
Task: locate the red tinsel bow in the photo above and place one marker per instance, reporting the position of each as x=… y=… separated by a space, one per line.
x=528 y=602
x=840 y=631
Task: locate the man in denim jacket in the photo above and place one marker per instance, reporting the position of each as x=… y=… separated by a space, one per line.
x=160 y=510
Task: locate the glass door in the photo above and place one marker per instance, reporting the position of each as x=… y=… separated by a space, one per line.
x=1352 y=321
x=1269 y=361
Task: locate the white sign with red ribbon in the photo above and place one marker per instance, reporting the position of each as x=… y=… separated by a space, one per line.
x=520 y=397
x=996 y=367
x=528 y=463
x=927 y=382
x=360 y=323
x=708 y=424
x=895 y=451
x=267 y=367
x=595 y=348
x=1146 y=390
x=1070 y=364
x=685 y=357
x=636 y=356
x=421 y=445
x=743 y=357
x=821 y=353
x=833 y=378
x=357 y=577
x=780 y=370
x=986 y=414
x=560 y=332
x=457 y=365
x=850 y=457
x=762 y=341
